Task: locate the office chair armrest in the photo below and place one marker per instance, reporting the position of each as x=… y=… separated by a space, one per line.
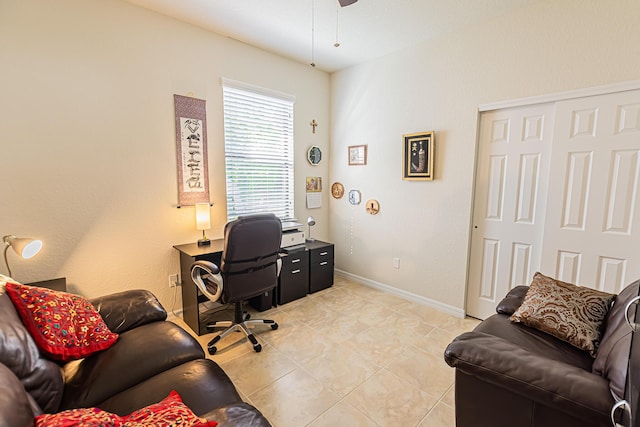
x=207 y=266
x=206 y=270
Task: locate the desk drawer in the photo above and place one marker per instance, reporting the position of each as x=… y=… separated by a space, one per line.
x=294 y=277
x=321 y=255
x=321 y=268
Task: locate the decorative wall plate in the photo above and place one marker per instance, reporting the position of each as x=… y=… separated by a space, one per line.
x=372 y=206
x=337 y=190
x=354 y=197
x=314 y=155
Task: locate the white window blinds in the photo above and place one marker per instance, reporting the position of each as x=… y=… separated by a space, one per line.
x=258 y=138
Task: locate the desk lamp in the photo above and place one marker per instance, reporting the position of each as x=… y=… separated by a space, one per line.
x=311 y=221
x=203 y=221
x=25 y=247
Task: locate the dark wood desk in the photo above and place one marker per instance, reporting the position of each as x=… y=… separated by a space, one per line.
x=303 y=272
x=191 y=297
x=54 y=284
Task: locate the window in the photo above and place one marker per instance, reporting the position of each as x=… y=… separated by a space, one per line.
x=258 y=139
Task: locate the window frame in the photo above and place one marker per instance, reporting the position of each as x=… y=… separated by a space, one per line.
x=265 y=119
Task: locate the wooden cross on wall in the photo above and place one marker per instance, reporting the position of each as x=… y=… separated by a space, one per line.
x=313 y=125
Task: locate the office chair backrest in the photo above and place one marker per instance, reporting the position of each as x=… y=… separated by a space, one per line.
x=251 y=247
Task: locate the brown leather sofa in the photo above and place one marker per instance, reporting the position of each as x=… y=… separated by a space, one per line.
x=150 y=358
x=508 y=374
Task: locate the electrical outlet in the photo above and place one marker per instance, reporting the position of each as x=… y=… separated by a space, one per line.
x=396 y=262
x=173 y=280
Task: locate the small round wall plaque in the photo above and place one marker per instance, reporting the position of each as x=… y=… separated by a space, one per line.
x=337 y=190
x=372 y=206
x=354 y=197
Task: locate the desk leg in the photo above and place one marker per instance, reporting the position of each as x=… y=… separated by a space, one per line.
x=189 y=294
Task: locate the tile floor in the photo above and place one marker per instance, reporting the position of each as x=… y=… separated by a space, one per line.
x=349 y=355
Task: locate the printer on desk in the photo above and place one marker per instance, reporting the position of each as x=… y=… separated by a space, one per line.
x=292 y=237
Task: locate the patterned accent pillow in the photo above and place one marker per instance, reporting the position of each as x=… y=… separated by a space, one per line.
x=167 y=413
x=64 y=326
x=85 y=417
x=572 y=313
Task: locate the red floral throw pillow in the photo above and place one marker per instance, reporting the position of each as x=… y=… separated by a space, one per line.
x=64 y=326
x=169 y=412
x=85 y=417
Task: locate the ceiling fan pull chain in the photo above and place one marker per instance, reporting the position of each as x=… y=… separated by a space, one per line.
x=337 y=43
x=313 y=21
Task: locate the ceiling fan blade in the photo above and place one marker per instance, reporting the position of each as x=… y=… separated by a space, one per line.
x=344 y=3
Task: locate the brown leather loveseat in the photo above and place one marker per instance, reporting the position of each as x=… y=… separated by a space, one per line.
x=150 y=358
x=509 y=374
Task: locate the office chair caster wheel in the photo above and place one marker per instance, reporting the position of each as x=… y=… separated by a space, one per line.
x=257 y=348
x=212 y=350
x=274 y=326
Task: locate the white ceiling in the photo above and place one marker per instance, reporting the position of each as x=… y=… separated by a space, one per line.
x=367 y=29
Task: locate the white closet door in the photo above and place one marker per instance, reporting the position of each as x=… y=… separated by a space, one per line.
x=509 y=203
x=592 y=228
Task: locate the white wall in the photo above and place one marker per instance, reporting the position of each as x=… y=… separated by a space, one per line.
x=88 y=145
x=88 y=140
x=549 y=47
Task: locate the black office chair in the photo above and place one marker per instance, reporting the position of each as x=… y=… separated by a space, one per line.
x=249 y=267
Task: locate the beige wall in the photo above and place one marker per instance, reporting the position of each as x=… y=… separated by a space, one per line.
x=88 y=137
x=87 y=147
x=549 y=47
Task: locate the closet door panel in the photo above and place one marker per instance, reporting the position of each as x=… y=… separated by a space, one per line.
x=509 y=204
x=591 y=234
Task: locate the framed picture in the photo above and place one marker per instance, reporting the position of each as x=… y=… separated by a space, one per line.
x=354 y=197
x=314 y=184
x=418 y=156
x=357 y=155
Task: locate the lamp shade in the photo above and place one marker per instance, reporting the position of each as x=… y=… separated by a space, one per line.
x=203 y=216
x=25 y=247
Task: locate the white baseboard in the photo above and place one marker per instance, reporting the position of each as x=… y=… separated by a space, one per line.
x=446 y=308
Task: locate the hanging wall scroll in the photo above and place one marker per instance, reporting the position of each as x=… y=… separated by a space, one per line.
x=191 y=150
